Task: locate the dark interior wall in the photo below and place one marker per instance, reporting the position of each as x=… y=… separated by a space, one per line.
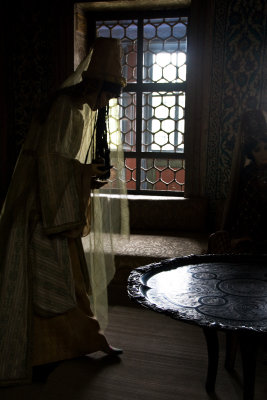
x=36 y=56
x=5 y=64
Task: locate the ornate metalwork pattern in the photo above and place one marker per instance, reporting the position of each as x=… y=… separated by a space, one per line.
x=225 y=292
x=152 y=106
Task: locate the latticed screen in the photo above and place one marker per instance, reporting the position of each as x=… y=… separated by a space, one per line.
x=152 y=106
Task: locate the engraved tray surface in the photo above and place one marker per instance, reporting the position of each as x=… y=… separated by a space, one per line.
x=220 y=291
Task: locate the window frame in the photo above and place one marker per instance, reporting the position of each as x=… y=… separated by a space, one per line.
x=140 y=87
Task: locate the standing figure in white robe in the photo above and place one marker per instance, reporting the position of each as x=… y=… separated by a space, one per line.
x=45 y=284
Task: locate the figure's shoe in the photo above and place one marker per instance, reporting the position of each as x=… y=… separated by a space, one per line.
x=113 y=351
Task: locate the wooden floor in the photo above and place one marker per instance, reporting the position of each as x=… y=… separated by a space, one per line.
x=163 y=359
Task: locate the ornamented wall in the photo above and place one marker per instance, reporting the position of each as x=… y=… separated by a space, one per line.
x=238 y=83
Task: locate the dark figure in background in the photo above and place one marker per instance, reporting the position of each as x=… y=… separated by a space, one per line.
x=245 y=215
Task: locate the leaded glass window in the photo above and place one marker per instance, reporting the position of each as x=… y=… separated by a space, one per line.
x=152 y=105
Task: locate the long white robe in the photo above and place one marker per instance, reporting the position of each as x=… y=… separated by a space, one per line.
x=44 y=200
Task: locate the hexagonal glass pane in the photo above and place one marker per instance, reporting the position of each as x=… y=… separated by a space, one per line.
x=167 y=176
x=149 y=31
x=179 y=30
x=117 y=32
x=162 y=112
x=162 y=59
x=103 y=31
x=164 y=31
x=131 y=31
x=155 y=45
x=169 y=73
x=168 y=125
x=161 y=138
x=171 y=45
